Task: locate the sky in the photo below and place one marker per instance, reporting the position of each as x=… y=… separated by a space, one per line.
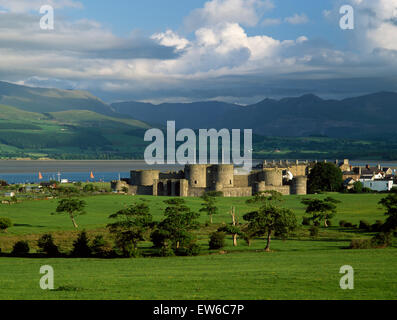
x=239 y=51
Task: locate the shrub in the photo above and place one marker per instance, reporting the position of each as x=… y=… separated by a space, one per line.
x=192 y=249
x=360 y=244
x=349 y=225
x=20 y=248
x=306 y=221
x=5 y=223
x=217 y=240
x=166 y=252
x=89 y=188
x=100 y=247
x=358 y=187
x=377 y=226
x=47 y=245
x=158 y=237
x=81 y=247
x=342 y=223
x=382 y=239
x=314 y=231
x=364 y=225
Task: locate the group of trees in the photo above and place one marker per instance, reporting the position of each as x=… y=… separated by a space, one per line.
x=174 y=233
x=83 y=247
x=325 y=177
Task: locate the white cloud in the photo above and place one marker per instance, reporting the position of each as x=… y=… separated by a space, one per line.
x=376 y=23
x=327 y=13
x=244 y=12
x=171 y=39
x=297 y=19
x=174 y=64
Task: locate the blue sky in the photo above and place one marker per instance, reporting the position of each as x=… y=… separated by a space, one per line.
x=153 y=16
x=187 y=50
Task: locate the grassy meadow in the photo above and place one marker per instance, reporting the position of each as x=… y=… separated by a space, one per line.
x=297 y=268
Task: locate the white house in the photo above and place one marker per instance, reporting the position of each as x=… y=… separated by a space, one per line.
x=9 y=194
x=378 y=185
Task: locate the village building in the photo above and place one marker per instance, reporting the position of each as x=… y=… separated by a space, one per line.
x=378 y=185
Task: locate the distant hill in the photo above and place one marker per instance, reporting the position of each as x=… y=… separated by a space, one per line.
x=67 y=124
x=368 y=116
x=187 y=115
x=73 y=134
x=50 y=100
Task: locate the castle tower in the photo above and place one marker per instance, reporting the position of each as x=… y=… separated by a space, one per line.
x=196 y=174
x=299 y=185
x=225 y=175
x=144 y=177
x=273 y=177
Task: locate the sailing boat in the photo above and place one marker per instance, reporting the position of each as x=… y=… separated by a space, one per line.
x=92 y=175
x=40 y=176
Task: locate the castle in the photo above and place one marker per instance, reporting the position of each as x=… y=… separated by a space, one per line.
x=196 y=179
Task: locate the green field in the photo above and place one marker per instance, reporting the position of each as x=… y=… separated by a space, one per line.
x=297 y=268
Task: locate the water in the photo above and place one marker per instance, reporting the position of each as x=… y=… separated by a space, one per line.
x=27 y=171
x=19 y=178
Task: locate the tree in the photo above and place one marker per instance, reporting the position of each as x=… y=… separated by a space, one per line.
x=67 y=191
x=358 y=187
x=234 y=228
x=321 y=210
x=3 y=183
x=269 y=220
x=324 y=177
x=390 y=203
x=175 y=228
x=72 y=207
x=5 y=223
x=132 y=227
x=99 y=246
x=20 y=248
x=81 y=246
x=217 y=240
x=47 y=245
x=209 y=205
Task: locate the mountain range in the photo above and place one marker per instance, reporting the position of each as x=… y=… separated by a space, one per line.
x=368 y=116
x=72 y=124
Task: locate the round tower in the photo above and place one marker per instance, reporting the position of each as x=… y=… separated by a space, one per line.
x=225 y=175
x=196 y=174
x=273 y=177
x=144 y=177
x=299 y=185
x=260 y=186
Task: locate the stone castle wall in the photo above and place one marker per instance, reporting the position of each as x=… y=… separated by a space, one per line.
x=197 y=179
